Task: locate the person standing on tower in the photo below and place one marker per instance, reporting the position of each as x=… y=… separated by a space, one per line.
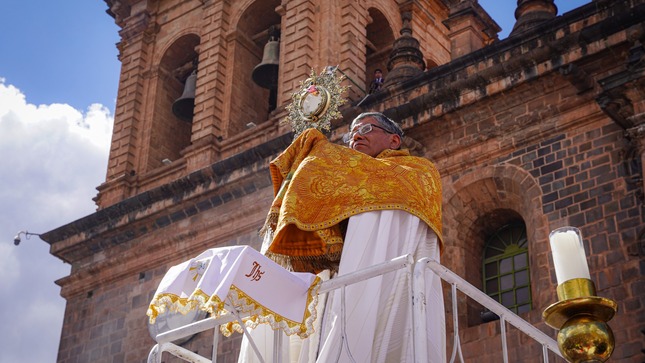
x=377 y=82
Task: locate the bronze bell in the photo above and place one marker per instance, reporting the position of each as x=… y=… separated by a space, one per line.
x=183 y=106
x=265 y=74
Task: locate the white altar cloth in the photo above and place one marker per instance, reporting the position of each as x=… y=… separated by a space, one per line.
x=244 y=278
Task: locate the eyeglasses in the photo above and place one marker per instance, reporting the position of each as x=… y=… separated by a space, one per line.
x=363 y=130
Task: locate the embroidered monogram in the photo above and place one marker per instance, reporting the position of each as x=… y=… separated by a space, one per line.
x=256 y=273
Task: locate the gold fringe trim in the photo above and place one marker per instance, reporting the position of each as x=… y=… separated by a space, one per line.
x=329 y=260
x=282 y=260
x=261 y=315
x=173 y=303
x=243 y=303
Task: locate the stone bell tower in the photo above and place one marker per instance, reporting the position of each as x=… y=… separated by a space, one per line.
x=202 y=90
x=537 y=131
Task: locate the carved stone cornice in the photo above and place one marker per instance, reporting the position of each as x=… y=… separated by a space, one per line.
x=620 y=89
x=637 y=136
x=119 y=10
x=139 y=25
x=577 y=77
x=618 y=107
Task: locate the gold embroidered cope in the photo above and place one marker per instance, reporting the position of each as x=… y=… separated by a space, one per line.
x=317 y=184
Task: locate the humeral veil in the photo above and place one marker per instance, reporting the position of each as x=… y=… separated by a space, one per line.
x=317 y=184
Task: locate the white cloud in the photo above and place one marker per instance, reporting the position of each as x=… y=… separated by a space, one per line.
x=9 y=263
x=52 y=157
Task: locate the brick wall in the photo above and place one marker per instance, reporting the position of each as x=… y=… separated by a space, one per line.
x=567 y=168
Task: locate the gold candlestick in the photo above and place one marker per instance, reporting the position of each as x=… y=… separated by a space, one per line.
x=581 y=318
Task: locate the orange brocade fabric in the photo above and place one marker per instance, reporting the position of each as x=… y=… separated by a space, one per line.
x=318 y=184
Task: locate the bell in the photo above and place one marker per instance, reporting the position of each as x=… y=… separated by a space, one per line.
x=184 y=105
x=265 y=74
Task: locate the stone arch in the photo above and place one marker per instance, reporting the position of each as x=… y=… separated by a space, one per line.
x=238 y=10
x=477 y=204
x=247 y=103
x=378 y=44
x=358 y=35
x=168 y=134
x=390 y=11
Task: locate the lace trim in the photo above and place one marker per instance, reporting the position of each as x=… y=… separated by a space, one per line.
x=261 y=315
x=173 y=303
x=242 y=302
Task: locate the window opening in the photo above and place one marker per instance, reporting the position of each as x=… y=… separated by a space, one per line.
x=506 y=268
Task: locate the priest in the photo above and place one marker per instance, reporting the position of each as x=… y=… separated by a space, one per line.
x=340 y=209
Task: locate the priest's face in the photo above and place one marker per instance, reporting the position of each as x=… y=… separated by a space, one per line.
x=373 y=139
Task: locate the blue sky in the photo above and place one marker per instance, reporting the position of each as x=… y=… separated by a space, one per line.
x=58 y=81
x=60 y=51
x=59 y=74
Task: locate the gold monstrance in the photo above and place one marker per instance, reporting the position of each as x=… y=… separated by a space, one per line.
x=316 y=102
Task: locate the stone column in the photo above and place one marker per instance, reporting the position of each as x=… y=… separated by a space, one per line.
x=209 y=96
x=135 y=49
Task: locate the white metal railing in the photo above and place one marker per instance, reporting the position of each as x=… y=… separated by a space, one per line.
x=340 y=282
x=416 y=269
x=505 y=315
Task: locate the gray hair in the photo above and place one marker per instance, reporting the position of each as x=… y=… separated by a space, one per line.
x=383 y=121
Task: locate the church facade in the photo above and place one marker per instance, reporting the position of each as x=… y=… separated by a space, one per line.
x=543 y=129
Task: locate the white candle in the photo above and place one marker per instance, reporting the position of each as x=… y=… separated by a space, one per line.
x=568 y=254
